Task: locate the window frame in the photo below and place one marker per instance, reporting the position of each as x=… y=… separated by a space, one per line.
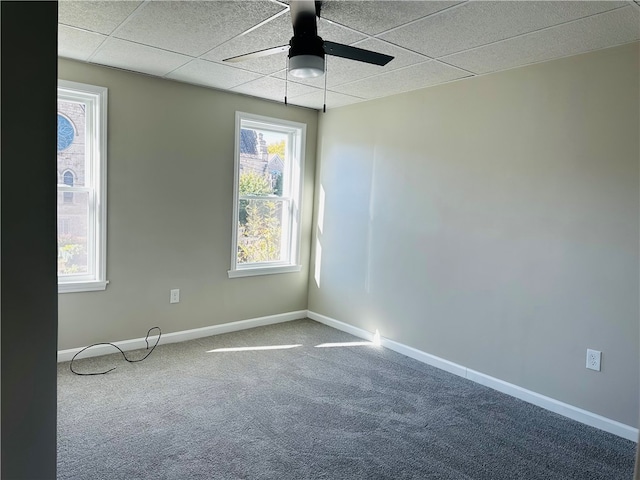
x=95 y=98
x=296 y=145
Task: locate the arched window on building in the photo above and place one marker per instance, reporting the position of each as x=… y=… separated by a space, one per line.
x=67 y=179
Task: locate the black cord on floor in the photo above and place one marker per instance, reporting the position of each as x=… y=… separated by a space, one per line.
x=114 y=345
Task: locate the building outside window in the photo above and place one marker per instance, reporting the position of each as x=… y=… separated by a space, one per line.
x=81 y=165
x=269 y=159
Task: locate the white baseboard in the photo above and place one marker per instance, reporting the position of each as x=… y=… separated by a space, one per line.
x=136 y=343
x=548 y=403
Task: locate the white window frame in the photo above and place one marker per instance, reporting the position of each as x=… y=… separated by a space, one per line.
x=95 y=184
x=294 y=173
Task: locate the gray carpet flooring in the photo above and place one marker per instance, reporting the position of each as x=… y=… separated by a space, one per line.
x=309 y=412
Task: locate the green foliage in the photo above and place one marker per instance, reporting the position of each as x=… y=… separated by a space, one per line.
x=259 y=228
x=277 y=147
x=252 y=183
x=259 y=237
x=71 y=255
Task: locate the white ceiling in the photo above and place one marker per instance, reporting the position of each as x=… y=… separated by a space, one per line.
x=432 y=41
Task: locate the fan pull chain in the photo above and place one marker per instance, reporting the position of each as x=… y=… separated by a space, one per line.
x=326 y=70
x=286 y=79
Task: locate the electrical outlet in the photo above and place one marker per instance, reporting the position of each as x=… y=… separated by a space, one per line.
x=175 y=296
x=593 y=359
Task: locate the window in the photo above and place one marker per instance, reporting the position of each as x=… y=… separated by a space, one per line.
x=269 y=159
x=67 y=179
x=81 y=145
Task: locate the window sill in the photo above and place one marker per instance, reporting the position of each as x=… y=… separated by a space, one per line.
x=75 y=287
x=250 y=272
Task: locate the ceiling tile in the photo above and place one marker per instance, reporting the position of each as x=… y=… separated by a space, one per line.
x=403 y=80
x=341 y=70
x=77 y=44
x=375 y=17
x=479 y=23
x=139 y=58
x=315 y=82
x=212 y=74
x=273 y=88
x=101 y=17
x=194 y=27
x=336 y=33
x=316 y=100
x=593 y=33
x=263 y=65
x=272 y=34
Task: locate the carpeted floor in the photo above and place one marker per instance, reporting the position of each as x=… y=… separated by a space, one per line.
x=310 y=412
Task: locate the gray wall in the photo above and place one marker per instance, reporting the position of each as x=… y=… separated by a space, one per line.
x=494 y=222
x=170 y=197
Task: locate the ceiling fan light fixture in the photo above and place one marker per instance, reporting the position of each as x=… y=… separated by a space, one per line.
x=306 y=66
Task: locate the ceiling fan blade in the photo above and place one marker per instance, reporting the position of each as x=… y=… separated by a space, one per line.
x=258 y=54
x=354 y=53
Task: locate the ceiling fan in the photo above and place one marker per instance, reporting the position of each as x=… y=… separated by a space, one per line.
x=307 y=49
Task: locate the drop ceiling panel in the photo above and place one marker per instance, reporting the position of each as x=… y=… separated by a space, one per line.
x=344 y=70
x=479 y=23
x=272 y=34
x=316 y=82
x=263 y=65
x=316 y=100
x=375 y=17
x=273 y=88
x=336 y=33
x=139 y=58
x=77 y=44
x=403 y=80
x=194 y=28
x=101 y=17
x=592 y=33
x=202 y=72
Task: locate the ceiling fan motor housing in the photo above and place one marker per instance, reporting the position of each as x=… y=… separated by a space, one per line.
x=306 y=56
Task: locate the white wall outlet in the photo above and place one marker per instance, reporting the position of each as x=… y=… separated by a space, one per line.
x=175 y=296
x=593 y=359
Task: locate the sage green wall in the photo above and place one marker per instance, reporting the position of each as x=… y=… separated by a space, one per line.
x=494 y=222
x=170 y=197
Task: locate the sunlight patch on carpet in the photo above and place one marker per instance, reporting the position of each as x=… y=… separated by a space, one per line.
x=246 y=349
x=345 y=344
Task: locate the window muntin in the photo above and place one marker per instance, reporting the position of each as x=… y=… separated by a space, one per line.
x=81 y=164
x=267 y=193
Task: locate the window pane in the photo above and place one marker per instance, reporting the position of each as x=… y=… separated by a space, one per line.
x=262 y=162
x=260 y=231
x=71 y=143
x=73 y=244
